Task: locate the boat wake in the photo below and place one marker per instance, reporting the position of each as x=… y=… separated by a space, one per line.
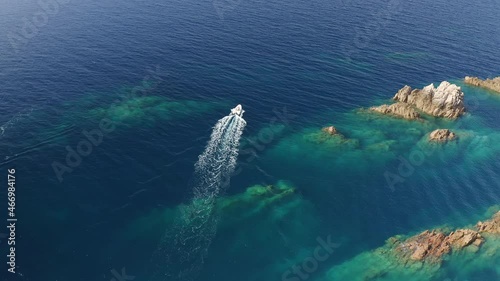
x=182 y=250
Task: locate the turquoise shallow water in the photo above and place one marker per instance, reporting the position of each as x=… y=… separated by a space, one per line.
x=295 y=67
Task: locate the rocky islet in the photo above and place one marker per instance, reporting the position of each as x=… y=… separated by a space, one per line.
x=490 y=84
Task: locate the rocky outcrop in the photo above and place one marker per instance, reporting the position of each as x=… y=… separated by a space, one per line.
x=420 y=257
x=330 y=137
x=331 y=130
x=490 y=84
x=462 y=238
x=442 y=135
x=426 y=245
x=491 y=226
x=398 y=109
x=446 y=101
x=431 y=246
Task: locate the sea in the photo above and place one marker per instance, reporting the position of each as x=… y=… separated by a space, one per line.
x=111 y=115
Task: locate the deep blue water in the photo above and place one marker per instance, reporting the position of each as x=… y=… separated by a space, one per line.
x=315 y=60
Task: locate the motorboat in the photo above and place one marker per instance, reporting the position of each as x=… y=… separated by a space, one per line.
x=238 y=111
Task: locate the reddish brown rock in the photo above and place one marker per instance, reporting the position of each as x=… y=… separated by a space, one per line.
x=428 y=245
x=463 y=238
x=491 y=226
x=431 y=246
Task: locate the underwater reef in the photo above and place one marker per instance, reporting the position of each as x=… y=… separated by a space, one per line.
x=232 y=208
x=239 y=219
x=150 y=108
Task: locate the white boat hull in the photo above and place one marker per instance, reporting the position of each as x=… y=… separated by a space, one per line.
x=238 y=111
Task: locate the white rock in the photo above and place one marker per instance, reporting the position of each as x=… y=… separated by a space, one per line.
x=447 y=100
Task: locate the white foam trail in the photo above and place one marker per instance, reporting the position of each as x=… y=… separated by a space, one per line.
x=16 y=118
x=183 y=252
x=219 y=158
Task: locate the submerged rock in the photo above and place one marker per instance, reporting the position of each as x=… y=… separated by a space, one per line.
x=447 y=100
x=490 y=84
x=255 y=197
x=398 y=109
x=442 y=135
x=331 y=137
x=138 y=109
